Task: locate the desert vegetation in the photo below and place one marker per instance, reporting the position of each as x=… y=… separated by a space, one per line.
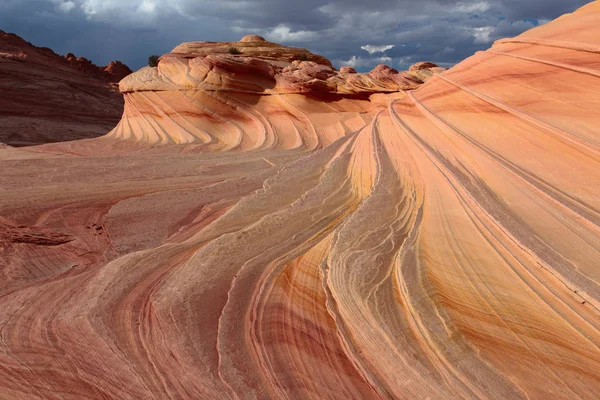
x=153 y=60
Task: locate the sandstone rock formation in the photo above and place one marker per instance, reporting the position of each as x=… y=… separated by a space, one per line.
x=259 y=66
x=45 y=97
x=113 y=72
x=200 y=78
x=233 y=238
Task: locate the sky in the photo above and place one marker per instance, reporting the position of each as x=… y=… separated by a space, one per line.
x=360 y=33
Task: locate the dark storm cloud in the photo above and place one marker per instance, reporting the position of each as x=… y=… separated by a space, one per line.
x=441 y=31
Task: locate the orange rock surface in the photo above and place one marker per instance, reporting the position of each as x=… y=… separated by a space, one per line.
x=254 y=65
x=45 y=97
x=234 y=238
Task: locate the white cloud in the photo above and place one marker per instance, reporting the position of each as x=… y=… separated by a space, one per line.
x=353 y=61
x=66 y=6
x=129 y=12
x=482 y=35
x=359 y=62
x=479 y=7
x=282 y=33
x=377 y=49
x=147 y=6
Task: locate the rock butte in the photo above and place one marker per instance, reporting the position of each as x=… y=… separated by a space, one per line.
x=244 y=235
x=256 y=66
x=45 y=97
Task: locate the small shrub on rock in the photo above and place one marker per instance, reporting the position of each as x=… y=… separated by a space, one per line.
x=153 y=60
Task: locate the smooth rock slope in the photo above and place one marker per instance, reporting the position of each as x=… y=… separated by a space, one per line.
x=249 y=233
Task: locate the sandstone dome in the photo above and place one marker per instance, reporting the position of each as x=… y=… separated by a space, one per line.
x=422 y=65
x=347 y=70
x=252 y=38
x=383 y=69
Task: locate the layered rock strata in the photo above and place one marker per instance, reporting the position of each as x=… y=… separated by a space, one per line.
x=232 y=239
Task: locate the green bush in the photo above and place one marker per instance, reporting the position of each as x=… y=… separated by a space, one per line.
x=234 y=50
x=153 y=60
x=304 y=57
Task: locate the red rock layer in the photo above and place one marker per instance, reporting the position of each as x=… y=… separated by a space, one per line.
x=48 y=98
x=439 y=243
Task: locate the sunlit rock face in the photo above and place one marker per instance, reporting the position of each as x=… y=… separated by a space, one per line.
x=254 y=65
x=227 y=96
x=231 y=239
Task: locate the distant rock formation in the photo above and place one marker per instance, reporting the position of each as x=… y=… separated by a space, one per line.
x=45 y=97
x=117 y=70
x=346 y=69
x=113 y=72
x=260 y=66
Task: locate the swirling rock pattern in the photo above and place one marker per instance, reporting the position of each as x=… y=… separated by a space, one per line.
x=254 y=65
x=437 y=243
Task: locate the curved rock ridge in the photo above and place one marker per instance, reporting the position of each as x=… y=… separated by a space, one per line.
x=199 y=93
x=438 y=243
x=254 y=65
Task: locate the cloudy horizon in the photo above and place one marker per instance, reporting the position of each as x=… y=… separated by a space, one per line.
x=394 y=32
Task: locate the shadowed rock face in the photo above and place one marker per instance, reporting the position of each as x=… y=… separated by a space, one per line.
x=264 y=243
x=45 y=97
